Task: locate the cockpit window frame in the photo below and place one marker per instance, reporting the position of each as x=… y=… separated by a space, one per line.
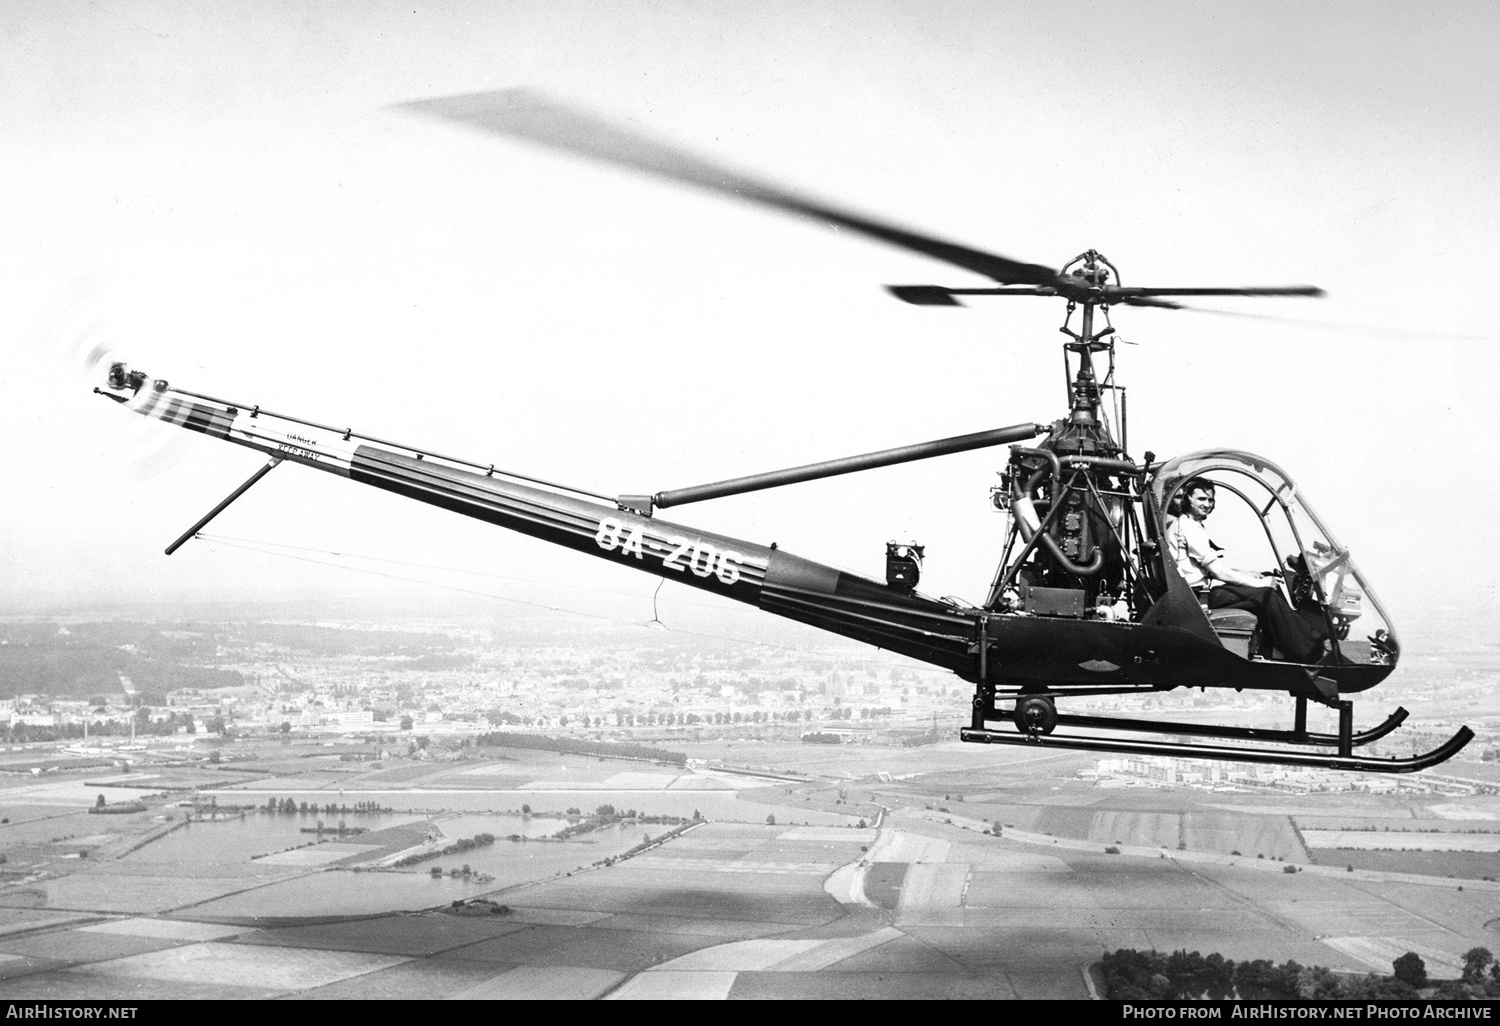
x=1169 y=477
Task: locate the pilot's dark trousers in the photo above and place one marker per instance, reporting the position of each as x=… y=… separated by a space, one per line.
x=1285 y=628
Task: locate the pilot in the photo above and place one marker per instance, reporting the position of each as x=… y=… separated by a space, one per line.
x=1200 y=563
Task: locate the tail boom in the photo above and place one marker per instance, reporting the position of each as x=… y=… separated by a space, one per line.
x=763 y=576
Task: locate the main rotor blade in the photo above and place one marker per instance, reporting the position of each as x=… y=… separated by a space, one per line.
x=1109 y=295
x=1164 y=304
x=940 y=295
x=1117 y=293
x=532 y=116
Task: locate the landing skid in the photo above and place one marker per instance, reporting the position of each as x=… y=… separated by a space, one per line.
x=1284 y=737
x=1341 y=758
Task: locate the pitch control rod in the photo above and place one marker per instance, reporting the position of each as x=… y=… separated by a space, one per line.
x=832 y=468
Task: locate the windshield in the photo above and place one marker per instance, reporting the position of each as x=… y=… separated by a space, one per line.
x=1272 y=519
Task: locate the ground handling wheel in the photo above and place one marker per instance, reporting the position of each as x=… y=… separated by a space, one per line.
x=1035 y=714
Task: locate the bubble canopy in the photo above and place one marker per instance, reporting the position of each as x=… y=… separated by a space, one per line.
x=1295 y=534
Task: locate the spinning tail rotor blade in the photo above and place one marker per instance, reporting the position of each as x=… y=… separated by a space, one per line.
x=536 y=118
x=87 y=336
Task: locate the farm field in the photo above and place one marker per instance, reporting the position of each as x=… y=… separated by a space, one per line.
x=918 y=907
x=1455 y=865
x=1402 y=840
x=826 y=884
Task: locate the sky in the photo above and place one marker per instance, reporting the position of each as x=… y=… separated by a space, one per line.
x=224 y=194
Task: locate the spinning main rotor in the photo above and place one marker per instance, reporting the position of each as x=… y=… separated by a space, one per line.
x=533 y=117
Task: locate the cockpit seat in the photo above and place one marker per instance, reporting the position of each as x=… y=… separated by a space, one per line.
x=1231 y=619
x=1236 y=629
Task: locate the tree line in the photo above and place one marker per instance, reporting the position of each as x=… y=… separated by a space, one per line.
x=458 y=847
x=575 y=746
x=1182 y=975
x=24 y=733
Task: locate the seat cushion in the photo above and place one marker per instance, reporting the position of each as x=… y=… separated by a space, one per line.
x=1232 y=619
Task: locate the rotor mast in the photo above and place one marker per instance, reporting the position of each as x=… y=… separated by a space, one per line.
x=1084 y=431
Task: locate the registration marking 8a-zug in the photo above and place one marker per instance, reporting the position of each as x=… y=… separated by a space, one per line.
x=677 y=552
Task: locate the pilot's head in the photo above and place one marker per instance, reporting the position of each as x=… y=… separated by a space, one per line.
x=1198 y=498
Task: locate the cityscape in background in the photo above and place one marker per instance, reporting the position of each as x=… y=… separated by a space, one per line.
x=91 y=686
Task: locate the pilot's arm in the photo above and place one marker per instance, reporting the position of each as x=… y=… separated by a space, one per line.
x=1229 y=575
x=1208 y=559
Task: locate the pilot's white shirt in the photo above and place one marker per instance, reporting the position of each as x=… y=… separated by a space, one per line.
x=1190 y=549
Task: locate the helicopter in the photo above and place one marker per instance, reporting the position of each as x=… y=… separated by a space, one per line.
x=1087 y=600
